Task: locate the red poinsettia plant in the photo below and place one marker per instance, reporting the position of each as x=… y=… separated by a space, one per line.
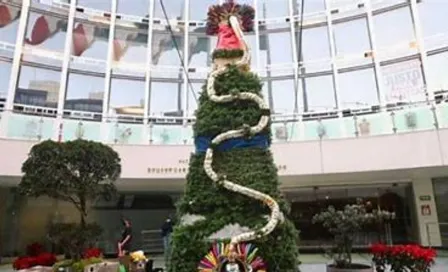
x=92 y=253
x=402 y=258
x=36 y=256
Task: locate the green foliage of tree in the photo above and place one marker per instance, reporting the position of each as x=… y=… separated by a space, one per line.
x=252 y=167
x=77 y=171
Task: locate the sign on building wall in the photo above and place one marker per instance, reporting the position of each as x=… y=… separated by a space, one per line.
x=403 y=82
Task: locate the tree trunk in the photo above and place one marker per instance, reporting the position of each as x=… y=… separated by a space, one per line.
x=83 y=211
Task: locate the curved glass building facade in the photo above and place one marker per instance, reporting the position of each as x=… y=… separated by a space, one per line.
x=131 y=71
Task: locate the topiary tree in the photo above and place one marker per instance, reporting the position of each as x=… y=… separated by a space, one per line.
x=78 y=172
x=232 y=203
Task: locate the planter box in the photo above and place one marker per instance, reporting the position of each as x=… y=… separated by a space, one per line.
x=356 y=268
x=102 y=267
x=38 y=269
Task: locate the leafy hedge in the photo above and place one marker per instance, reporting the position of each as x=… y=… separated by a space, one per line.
x=252 y=167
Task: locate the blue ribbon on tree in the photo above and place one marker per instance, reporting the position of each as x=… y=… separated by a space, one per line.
x=202 y=143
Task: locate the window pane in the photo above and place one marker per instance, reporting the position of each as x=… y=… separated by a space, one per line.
x=194 y=92
x=200 y=53
x=38 y=87
x=199 y=9
x=357 y=89
x=280 y=61
x=130 y=49
x=319 y=93
x=165 y=98
x=272 y=9
x=349 y=51
x=436 y=78
x=283 y=96
x=167 y=51
x=173 y=9
x=46 y=32
x=310 y=6
x=133 y=7
x=84 y=93
x=402 y=31
x=432 y=13
x=5 y=72
x=90 y=40
x=403 y=82
x=315 y=49
x=8 y=29
x=125 y=94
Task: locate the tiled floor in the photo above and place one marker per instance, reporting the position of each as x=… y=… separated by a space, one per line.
x=310 y=263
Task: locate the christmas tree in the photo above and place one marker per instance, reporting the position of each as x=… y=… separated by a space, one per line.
x=232 y=216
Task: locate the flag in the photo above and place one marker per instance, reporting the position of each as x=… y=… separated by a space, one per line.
x=8 y=14
x=44 y=28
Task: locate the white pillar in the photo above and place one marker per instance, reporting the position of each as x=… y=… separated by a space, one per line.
x=257 y=37
x=425 y=206
x=105 y=129
x=333 y=63
x=147 y=98
x=295 y=58
x=186 y=64
x=58 y=124
x=376 y=62
x=15 y=68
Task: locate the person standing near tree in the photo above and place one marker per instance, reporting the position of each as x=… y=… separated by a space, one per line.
x=125 y=243
x=167 y=229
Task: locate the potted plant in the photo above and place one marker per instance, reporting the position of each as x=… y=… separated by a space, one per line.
x=36 y=259
x=343 y=225
x=402 y=258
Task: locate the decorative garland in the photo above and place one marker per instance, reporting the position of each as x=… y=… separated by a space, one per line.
x=219 y=13
x=247 y=131
x=227 y=54
x=217 y=258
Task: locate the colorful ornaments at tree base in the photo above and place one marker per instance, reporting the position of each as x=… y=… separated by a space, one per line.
x=243 y=258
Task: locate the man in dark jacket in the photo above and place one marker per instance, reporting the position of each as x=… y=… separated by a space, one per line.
x=167 y=229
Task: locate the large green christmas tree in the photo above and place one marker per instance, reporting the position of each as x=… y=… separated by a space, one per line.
x=232 y=216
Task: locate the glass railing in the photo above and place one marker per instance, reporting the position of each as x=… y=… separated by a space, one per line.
x=417 y=117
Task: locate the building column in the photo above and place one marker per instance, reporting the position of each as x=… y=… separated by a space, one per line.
x=426 y=209
x=333 y=63
x=105 y=128
x=146 y=107
x=186 y=55
x=374 y=56
x=257 y=37
x=58 y=129
x=15 y=67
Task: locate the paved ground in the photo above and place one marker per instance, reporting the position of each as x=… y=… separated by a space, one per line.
x=311 y=263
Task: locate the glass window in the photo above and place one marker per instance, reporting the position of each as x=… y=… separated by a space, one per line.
x=131 y=44
x=270 y=55
x=133 y=7
x=38 y=87
x=166 y=98
x=194 y=92
x=309 y=6
x=403 y=81
x=200 y=49
x=90 y=40
x=173 y=9
x=402 y=31
x=272 y=9
x=97 y=4
x=319 y=92
x=436 y=78
x=441 y=196
x=343 y=36
x=284 y=96
x=432 y=15
x=8 y=27
x=199 y=9
x=315 y=49
x=5 y=72
x=126 y=93
x=46 y=32
x=84 y=93
x=357 y=89
x=166 y=50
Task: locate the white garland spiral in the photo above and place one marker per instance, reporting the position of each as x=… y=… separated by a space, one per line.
x=276 y=216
